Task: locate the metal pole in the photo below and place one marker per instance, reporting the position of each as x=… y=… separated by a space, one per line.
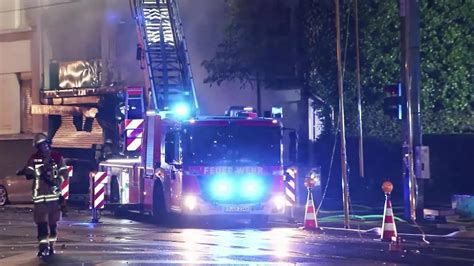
x=359 y=96
x=415 y=80
x=345 y=185
x=410 y=198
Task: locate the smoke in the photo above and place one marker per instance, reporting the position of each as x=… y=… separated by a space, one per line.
x=85 y=29
x=204 y=22
x=73 y=30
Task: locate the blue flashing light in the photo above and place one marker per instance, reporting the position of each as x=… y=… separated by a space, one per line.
x=230 y=189
x=252 y=188
x=222 y=188
x=182 y=110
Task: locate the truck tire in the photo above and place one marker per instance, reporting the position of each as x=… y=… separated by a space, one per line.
x=160 y=215
x=259 y=221
x=120 y=212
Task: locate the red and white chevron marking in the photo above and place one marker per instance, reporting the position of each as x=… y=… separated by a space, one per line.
x=290 y=187
x=134 y=134
x=100 y=179
x=65 y=184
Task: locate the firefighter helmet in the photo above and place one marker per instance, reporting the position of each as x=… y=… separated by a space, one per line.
x=40 y=138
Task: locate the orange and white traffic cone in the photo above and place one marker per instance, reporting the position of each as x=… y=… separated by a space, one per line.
x=310 y=222
x=389 y=230
x=395 y=246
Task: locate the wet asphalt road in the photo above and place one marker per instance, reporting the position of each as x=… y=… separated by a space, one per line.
x=120 y=241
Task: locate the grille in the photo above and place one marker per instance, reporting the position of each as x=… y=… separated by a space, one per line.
x=237 y=194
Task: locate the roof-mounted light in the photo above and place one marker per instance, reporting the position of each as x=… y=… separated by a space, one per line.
x=182 y=110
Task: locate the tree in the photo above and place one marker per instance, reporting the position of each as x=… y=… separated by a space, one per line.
x=256 y=49
x=446 y=58
x=447 y=66
x=379 y=60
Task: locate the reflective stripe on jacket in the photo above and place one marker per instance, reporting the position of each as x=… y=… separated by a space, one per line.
x=47 y=175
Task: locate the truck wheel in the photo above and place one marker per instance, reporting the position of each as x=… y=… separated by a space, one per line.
x=160 y=215
x=259 y=221
x=3 y=196
x=120 y=212
x=187 y=221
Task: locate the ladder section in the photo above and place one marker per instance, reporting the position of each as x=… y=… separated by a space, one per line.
x=166 y=57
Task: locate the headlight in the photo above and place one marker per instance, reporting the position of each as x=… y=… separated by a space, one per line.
x=279 y=202
x=190 y=202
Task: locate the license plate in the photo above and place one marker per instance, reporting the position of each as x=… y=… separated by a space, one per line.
x=237 y=208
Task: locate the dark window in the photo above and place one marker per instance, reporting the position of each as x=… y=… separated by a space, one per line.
x=235 y=145
x=135 y=108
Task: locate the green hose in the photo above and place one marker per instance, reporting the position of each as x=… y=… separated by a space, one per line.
x=334 y=218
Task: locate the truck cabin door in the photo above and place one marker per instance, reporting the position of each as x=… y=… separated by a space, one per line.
x=174 y=161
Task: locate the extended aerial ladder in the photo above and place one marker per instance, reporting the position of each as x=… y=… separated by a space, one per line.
x=163 y=49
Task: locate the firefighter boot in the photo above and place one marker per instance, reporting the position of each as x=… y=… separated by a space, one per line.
x=52 y=238
x=51 y=248
x=43 y=247
x=43 y=250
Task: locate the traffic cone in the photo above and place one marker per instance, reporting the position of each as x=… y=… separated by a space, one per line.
x=395 y=246
x=310 y=222
x=389 y=230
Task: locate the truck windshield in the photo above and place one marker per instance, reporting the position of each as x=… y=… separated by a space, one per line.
x=235 y=144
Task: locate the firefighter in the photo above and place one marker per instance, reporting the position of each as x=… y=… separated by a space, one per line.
x=47 y=170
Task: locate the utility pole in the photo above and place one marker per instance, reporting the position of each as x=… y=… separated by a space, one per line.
x=345 y=184
x=359 y=95
x=410 y=78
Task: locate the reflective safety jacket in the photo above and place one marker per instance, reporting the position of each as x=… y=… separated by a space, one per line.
x=47 y=173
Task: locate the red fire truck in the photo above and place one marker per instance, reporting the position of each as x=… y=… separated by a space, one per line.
x=225 y=165
x=146 y=145
x=180 y=163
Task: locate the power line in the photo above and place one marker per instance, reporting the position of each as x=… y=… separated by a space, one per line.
x=40 y=6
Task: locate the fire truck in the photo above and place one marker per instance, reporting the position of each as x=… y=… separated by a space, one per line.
x=187 y=164
x=158 y=156
x=201 y=166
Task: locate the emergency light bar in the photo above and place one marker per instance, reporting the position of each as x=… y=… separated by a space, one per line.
x=241 y=111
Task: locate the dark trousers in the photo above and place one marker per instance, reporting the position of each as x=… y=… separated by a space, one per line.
x=46 y=216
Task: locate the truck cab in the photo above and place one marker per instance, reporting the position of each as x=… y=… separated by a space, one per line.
x=224 y=166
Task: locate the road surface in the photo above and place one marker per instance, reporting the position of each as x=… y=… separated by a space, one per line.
x=131 y=240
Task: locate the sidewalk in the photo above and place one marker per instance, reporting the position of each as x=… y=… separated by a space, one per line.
x=369 y=220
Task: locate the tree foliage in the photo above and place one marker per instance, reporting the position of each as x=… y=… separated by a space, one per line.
x=253 y=44
x=447 y=45
x=379 y=45
x=256 y=44
x=446 y=63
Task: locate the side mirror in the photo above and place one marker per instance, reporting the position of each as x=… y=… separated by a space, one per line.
x=293 y=149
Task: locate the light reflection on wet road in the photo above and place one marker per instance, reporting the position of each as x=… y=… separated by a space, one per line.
x=123 y=241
